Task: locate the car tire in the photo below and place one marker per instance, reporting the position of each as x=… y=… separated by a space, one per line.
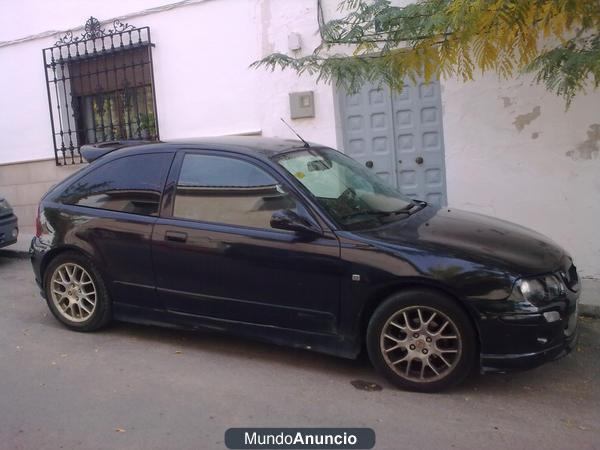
x=421 y=340
x=76 y=293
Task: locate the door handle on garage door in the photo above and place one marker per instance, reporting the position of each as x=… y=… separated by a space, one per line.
x=175 y=236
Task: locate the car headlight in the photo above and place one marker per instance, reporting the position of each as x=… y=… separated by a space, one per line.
x=540 y=290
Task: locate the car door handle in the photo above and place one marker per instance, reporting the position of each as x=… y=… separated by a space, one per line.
x=175 y=236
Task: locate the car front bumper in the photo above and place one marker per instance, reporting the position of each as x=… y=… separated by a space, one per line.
x=9 y=230
x=525 y=341
x=511 y=362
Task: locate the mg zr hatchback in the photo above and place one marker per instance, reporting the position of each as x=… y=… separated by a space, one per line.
x=300 y=245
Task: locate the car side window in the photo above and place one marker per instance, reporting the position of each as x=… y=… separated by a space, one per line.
x=132 y=184
x=227 y=190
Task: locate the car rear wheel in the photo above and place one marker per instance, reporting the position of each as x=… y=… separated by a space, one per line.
x=75 y=293
x=421 y=340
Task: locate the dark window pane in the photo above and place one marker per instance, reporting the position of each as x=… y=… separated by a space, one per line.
x=227 y=190
x=132 y=184
x=112 y=96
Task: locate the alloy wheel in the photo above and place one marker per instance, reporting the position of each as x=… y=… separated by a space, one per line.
x=73 y=292
x=421 y=344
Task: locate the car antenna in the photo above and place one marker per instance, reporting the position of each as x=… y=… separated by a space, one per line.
x=306 y=144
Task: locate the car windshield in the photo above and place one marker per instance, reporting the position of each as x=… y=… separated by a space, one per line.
x=355 y=197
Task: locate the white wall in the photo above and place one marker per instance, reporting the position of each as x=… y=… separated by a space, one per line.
x=203 y=83
x=24 y=117
x=23 y=18
x=279 y=18
x=540 y=170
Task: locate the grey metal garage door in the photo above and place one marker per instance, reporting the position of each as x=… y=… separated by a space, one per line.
x=399 y=136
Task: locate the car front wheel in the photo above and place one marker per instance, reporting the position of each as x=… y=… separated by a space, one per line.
x=421 y=340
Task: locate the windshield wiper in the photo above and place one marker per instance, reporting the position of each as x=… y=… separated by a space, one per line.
x=410 y=208
x=374 y=213
x=407 y=210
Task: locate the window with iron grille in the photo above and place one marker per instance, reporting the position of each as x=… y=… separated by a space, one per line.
x=100 y=88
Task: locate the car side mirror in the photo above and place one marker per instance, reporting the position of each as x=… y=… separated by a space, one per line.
x=286 y=219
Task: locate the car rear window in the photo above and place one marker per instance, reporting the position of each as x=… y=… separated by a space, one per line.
x=131 y=184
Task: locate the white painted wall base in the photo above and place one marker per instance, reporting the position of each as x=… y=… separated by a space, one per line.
x=590 y=297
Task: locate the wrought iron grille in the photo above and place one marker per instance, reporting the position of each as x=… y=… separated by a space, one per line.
x=100 y=88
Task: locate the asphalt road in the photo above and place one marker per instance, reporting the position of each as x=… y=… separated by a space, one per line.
x=150 y=388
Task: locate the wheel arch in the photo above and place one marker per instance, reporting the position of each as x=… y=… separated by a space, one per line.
x=54 y=253
x=381 y=294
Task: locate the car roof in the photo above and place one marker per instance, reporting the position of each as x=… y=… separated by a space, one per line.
x=267 y=146
x=259 y=146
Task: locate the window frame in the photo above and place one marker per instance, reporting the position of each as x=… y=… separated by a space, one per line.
x=76 y=177
x=63 y=63
x=169 y=192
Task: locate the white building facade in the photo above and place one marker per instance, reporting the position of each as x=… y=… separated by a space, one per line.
x=503 y=148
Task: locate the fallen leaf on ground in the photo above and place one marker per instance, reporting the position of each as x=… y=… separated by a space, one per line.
x=366 y=385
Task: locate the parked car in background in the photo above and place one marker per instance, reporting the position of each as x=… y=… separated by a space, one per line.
x=300 y=245
x=9 y=227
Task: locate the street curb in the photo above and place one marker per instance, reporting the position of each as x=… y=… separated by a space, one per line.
x=7 y=253
x=589 y=310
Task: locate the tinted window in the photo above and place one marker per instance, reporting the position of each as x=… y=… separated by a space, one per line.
x=228 y=190
x=132 y=184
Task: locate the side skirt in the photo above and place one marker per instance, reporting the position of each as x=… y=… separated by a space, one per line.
x=323 y=343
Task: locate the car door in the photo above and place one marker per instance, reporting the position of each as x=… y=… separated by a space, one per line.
x=216 y=255
x=110 y=212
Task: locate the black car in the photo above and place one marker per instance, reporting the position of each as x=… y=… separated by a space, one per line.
x=300 y=245
x=9 y=228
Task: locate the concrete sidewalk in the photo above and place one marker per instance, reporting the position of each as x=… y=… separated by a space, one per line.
x=589 y=304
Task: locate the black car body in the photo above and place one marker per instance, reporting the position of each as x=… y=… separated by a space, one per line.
x=315 y=288
x=9 y=227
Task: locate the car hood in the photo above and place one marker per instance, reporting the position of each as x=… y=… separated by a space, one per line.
x=475 y=237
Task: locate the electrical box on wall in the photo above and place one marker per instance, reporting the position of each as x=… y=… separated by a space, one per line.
x=302 y=104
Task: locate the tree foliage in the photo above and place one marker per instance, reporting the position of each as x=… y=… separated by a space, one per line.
x=557 y=40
